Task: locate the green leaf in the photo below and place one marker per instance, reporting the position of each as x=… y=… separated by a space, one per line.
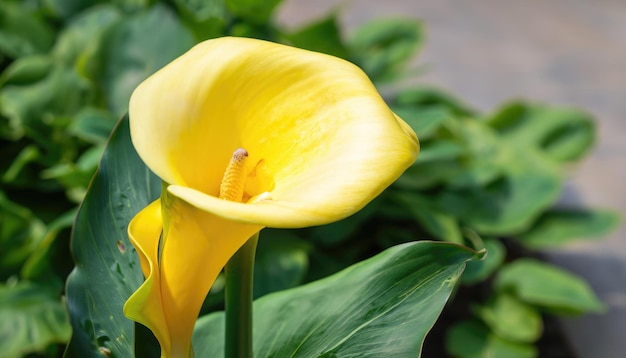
x=75 y=176
x=465 y=154
x=548 y=287
x=103 y=254
x=431 y=97
x=60 y=94
x=22 y=32
x=254 y=11
x=321 y=36
x=25 y=70
x=31 y=318
x=437 y=223
x=472 y=339
x=511 y=319
x=27 y=155
x=20 y=233
x=426 y=120
x=340 y=231
x=509 y=205
x=428 y=174
x=42 y=264
x=438 y=150
x=483 y=157
x=93 y=125
x=381 y=307
x=383 y=47
x=136 y=48
x=66 y=9
x=563 y=134
x=281 y=261
x=206 y=18
x=558 y=227
x=79 y=43
x=477 y=271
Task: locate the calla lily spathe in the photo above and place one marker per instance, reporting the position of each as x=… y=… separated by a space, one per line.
x=321 y=143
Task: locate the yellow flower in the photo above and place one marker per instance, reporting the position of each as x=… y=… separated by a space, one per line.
x=320 y=141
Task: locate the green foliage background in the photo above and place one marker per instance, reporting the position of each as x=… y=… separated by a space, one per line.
x=482 y=179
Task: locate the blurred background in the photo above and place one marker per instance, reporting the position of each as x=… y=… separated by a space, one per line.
x=570 y=52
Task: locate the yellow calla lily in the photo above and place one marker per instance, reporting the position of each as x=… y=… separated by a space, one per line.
x=320 y=143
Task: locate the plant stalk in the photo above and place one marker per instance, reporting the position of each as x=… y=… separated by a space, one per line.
x=238 y=297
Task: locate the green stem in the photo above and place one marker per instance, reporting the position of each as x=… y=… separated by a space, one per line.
x=238 y=273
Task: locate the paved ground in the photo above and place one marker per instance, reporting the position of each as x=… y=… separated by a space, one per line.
x=570 y=52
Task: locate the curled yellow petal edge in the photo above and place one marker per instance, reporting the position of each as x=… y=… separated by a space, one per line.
x=196 y=246
x=144 y=305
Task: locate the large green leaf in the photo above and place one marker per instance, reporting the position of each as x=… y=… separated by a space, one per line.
x=381 y=307
x=107 y=269
x=31 y=318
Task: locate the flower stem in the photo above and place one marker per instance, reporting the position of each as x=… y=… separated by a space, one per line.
x=238 y=273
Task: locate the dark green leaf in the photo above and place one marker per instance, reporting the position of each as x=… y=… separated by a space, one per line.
x=68 y=8
x=26 y=70
x=425 y=175
x=258 y=12
x=31 y=318
x=281 y=261
x=27 y=155
x=558 y=227
x=322 y=36
x=547 y=286
x=20 y=233
x=381 y=307
x=207 y=19
x=42 y=264
x=338 y=232
x=437 y=223
x=57 y=96
x=136 y=48
x=103 y=254
x=22 y=33
x=472 y=339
